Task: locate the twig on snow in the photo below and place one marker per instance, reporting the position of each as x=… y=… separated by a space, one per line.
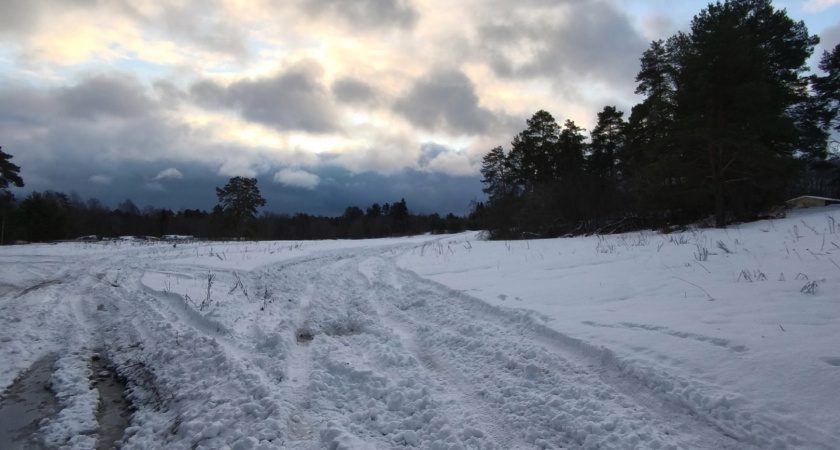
x=711 y=299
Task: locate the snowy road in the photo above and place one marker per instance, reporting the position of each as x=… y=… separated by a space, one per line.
x=334 y=345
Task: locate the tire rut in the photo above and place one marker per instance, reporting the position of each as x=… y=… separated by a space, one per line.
x=547 y=392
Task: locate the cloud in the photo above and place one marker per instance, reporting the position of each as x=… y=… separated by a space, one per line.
x=297 y=178
x=101 y=179
x=294 y=99
x=169 y=174
x=114 y=96
x=205 y=24
x=437 y=158
x=237 y=168
x=82 y=30
x=366 y=14
x=424 y=192
x=101 y=117
x=385 y=153
x=819 y=5
x=655 y=27
x=830 y=37
x=445 y=100
x=18 y=16
x=352 y=91
x=568 y=42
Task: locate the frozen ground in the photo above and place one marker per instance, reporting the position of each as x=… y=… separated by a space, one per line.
x=703 y=339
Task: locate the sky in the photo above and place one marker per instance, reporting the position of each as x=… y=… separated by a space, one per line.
x=328 y=103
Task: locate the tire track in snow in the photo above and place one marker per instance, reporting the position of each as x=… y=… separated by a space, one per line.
x=194 y=385
x=67 y=327
x=549 y=395
x=459 y=402
x=298 y=372
x=395 y=362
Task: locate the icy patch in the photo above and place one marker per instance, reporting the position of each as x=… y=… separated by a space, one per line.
x=26 y=403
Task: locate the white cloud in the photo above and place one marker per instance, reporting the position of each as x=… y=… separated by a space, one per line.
x=101 y=179
x=452 y=163
x=819 y=5
x=388 y=152
x=237 y=168
x=297 y=178
x=169 y=174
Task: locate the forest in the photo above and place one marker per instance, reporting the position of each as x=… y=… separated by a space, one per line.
x=55 y=216
x=731 y=125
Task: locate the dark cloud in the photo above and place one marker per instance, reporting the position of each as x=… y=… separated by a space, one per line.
x=291 y=100
x=63 y=137
x=446 y=100
x=99 y=115
x=24 y=16
x=429 y=151
x=168 y=94
x=595 y=41
x=117 y=151
x=366 y=14
x=115 y=96
x=424 y=193
x=353 y=92
x=16 y=17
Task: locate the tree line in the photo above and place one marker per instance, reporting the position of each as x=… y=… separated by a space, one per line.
x=729 y=127
x=53 y=216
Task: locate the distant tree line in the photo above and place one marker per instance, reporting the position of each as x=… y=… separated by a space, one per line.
x=52 y=216
x=730 y=127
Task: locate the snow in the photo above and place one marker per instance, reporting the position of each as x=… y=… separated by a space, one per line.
x=698 y=339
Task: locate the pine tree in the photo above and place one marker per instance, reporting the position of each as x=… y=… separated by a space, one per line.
x=736 y=82
x=534 y=151
x=238 y=202
x=496 y=175
x=9 y=173
x=568 y=160
x=607 y=140
x=828 y=87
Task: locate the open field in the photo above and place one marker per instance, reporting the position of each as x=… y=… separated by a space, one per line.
x=698 y=339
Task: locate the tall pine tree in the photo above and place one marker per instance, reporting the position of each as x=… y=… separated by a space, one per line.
x=737 y=82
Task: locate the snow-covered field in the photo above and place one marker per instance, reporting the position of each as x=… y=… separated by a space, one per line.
x=701 y=339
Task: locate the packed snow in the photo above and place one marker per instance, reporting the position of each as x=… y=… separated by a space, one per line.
x=702 y=338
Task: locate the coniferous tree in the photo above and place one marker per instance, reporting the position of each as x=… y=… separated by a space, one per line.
x=9 y=173
x=374 y=211
x=238 y=202
x=496 y=175
x=568 y=160
x=737 y=83
x=828 y=87
x=533 y=153
x=606 y=142
x=43 y=216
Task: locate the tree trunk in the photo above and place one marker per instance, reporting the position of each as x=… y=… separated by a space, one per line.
x=720 y=207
